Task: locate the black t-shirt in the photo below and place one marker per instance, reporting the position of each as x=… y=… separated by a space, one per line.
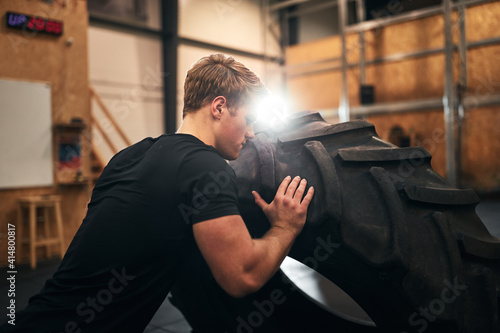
x=126 y=254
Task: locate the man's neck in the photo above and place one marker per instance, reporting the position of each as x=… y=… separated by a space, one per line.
x=197 y=125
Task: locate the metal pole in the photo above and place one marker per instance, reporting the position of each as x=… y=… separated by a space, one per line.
x=449 y=98
x=344 y=102
x=169 y=46
x=285 y=30
x=462 y=52
x=462 y=46
x=285 y=39
x=361 y=18
x=265 y=13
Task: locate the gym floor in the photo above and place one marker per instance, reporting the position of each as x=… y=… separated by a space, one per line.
x=168 y=318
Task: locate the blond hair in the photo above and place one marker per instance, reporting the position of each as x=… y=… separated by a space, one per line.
x=219 y=75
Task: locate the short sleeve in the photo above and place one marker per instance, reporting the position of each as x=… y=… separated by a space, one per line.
x=207 y=187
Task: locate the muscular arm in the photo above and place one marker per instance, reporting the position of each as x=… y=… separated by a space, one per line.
x=240 y=264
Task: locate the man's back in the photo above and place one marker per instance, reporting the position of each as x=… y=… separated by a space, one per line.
x=124 y=258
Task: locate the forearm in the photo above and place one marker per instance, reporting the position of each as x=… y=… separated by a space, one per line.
x=268 y=254
x=287 y=215
x=242 y=265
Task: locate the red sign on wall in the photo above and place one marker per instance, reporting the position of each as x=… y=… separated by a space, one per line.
x=34 y=23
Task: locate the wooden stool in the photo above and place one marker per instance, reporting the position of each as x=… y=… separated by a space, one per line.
x=45 y=202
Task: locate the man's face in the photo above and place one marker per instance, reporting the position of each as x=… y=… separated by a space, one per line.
x=234 y=131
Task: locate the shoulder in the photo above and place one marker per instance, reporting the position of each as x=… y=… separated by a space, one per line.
x=186 y=150
x=200 y=157
x=206 y=184
x=201 y=164
x=206 y=165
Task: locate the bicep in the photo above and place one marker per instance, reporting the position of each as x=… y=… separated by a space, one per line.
x=226 y=246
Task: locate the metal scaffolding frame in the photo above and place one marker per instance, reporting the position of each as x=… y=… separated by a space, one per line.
x=344 y=100
x=453 y=98
x=449 y=101
x=453 y=94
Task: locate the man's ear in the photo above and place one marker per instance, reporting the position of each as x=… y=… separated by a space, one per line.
x=218 y=104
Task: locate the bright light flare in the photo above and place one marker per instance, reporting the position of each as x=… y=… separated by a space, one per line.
x=272 y=112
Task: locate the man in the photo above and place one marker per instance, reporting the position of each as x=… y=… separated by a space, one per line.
x=158 y=200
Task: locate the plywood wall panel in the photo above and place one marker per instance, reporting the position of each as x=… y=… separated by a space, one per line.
x=416 y=35
x=40 y=57
x=353 y=48
x=483 y=21
x=419 y=78
x=326 y=48
x=407 y=80
x=481 y=148
x=62 y=62
x=394 y=82
x=313 y=92
x=425 y=129
x=483 y=77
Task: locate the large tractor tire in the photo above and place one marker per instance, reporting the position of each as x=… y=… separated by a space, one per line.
x=383 y=226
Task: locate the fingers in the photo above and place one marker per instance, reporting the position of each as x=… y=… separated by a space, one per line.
x=292 y=187
x=283 y=186
x=259 y=201
x=309 y=195
x=300 y=190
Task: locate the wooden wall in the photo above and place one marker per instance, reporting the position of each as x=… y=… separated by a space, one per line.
x=412 y=79
x=37 y=57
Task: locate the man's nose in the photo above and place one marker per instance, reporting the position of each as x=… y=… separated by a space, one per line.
x=249 y=134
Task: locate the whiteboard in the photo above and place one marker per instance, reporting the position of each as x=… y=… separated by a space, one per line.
x=25 y=134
